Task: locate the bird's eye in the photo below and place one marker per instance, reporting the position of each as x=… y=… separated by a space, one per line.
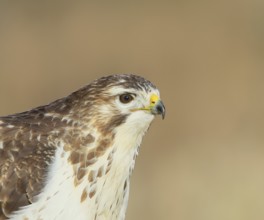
x=126 y=98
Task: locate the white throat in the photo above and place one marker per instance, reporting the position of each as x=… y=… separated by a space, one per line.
x=104 y=199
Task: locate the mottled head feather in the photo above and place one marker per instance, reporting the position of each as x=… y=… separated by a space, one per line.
x=125 y=81
x=29 y=140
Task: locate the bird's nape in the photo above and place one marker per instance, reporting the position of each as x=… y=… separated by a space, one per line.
x=73 y=158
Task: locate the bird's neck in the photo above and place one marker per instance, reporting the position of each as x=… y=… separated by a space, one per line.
x=92 y=179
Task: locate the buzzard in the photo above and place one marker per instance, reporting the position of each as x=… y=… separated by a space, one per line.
x=72 y=159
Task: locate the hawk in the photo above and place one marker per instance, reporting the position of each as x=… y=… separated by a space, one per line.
x=73 y=158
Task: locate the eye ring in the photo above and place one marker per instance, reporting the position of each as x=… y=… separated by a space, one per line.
x=126 y=98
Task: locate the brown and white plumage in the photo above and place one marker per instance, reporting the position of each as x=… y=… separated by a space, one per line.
x=72 y=159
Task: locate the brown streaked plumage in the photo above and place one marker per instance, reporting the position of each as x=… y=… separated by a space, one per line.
x=83 y=131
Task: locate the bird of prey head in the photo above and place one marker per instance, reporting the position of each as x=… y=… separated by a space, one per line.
x=72 y=159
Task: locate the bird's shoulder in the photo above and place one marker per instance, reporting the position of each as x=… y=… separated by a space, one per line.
x=26 y=150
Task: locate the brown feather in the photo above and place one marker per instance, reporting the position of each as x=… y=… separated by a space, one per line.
x=29 y=139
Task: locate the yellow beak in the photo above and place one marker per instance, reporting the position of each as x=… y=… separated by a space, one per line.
x=156 y=106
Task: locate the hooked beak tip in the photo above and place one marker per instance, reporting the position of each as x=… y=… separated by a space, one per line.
x=159 y=109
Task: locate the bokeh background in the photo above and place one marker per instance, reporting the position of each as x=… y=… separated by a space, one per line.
x=206 y=160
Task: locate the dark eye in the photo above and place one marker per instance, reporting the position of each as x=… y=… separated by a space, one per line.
x=126 y=98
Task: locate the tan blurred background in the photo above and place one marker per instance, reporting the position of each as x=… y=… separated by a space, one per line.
x=206 y=160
